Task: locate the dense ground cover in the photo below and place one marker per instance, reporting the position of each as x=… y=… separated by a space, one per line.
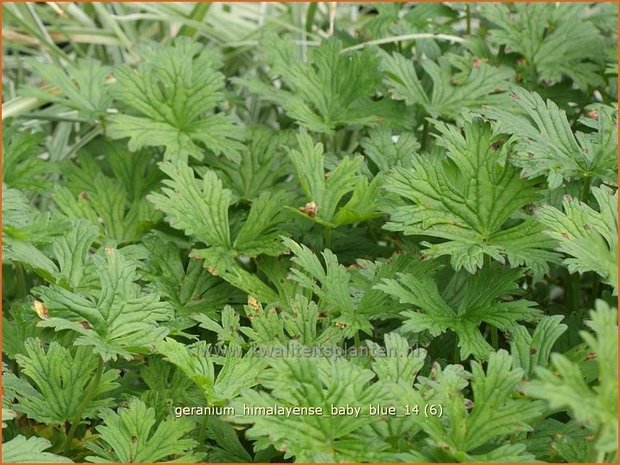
x=309 y=232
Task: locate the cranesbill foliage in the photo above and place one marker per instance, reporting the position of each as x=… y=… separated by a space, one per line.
x=309 y=232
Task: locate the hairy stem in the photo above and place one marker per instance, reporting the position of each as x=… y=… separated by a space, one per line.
x=88 y=396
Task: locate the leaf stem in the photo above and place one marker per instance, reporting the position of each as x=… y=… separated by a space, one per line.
x=20 y=281
x=494 y=337
x=585 y=189
x=424 y=135
x=328 y=237
x=88 y=396
x=310 y=16
x=468 y=18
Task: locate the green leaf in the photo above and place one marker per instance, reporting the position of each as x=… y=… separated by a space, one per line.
x=201 y=210
x=462 y=304
x=473 y=199
x=565 y=388
x=117 y=319
x=530 y=351
x=311 y=382
x=198 y=208
x=555 y=40
x=325 y=191
x=478 y=84
x=21 y=166
x=497 y=412
x=61 y=378
x=332 y=90
x=197 y=363
x=588 y=236
x=188 y=286
x=132 y=435
x=546 y=144
x=30 y=450
x=175 y=92
x=82 y=86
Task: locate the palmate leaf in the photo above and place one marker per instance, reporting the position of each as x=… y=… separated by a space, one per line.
x=556 y=40
x=462 y=305
x=21 y=166
x=201 y=210
x=30 y=450
x=325 y=190
x=565 y=387
x=175 y=92
x=497 y=412
x=25 y=229
x=82 y=86
x=332 y=90
x=189 y=287
x=312 y=382
x=117 y=205
x=473 y=199
x=480 y=84
x=531 y=351
x=546 y=144
x=63 y=376
x=196 y=361
x=132 y=435
x=588 y=236
x=262 y=166
x=387 y=150
x=117 y=318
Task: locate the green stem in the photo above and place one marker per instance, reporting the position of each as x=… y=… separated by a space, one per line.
x=20 y=281
x=494 y=337
x=198 y=13
x=328 y=237
x=88 y=396
x=585 y=189
x=424 y=135
x=310 y=16
x=468 y=18
x=596 y=287
x=356 y=339
x=573 y=292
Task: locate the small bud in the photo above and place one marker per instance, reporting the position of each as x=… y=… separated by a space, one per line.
x=252 y=302
x=309 y=209
x=40 y=309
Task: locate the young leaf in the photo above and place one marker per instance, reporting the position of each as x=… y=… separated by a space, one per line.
x=497 y=412
x=530 y=351
x=175 y=92
x=133 y=435
x=546 y=144
x=117 y=319
x=30 y=450
x=325 y=191
x=462 y=304
x=333 y=90
x=588 y=236
x=82 y=86
x=555 y=41
x=472 y=198
x=565 y=388
x=63 y=376
x=449 y=96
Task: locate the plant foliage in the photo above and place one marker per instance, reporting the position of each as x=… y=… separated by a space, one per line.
x=309 y=232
